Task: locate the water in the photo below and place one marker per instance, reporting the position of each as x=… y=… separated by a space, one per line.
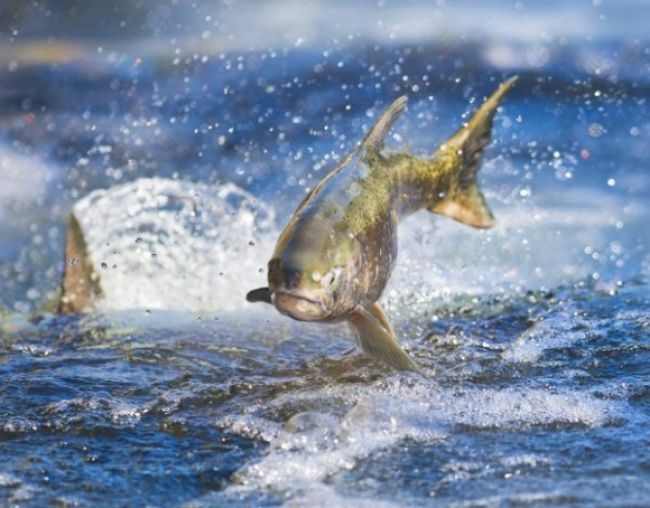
x=533 y=337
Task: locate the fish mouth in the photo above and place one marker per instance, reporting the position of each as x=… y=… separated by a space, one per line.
x=299 y=305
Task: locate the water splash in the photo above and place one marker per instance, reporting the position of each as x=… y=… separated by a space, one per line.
x=165 y=244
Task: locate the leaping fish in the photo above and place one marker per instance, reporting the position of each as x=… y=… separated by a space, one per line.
x=335 y=256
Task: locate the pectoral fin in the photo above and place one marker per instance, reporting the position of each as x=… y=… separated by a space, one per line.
x=259 y=295
x=376 y=310
x=377 y=341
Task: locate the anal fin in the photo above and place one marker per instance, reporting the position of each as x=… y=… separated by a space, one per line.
x=377 y=341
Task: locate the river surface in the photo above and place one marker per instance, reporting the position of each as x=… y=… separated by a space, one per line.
x=533 y=338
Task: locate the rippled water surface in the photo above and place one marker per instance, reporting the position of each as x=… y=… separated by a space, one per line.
x=533 y=398
x=184 y=150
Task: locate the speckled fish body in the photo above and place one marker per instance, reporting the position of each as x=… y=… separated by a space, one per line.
x=335 y=256
x=352 y=220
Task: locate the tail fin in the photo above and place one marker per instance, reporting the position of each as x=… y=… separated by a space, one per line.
x=465 y=203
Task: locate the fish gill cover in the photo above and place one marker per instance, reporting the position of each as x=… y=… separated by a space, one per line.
x=182 y=136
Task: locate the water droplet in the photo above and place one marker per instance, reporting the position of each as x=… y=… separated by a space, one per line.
x=596 y=130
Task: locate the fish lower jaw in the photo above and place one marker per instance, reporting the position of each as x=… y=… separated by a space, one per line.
x=299 y=307
x=302 y=318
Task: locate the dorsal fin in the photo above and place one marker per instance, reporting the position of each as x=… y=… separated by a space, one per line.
x=80 y=286
x=374 y=140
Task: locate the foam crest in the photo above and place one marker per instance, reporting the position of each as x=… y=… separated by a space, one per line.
x=104 y=407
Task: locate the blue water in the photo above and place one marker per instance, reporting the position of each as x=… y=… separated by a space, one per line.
x=533 y=338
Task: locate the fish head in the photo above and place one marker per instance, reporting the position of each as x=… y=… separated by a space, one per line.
x=316 y=284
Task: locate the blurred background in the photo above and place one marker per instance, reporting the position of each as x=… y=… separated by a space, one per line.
x=268 y=95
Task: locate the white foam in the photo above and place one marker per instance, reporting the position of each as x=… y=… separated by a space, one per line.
x=336 y=427
x=19 y=425
x=119 y=411
x=324 y=496
x=560 y=329
x=124 y=413
x=9 y=480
